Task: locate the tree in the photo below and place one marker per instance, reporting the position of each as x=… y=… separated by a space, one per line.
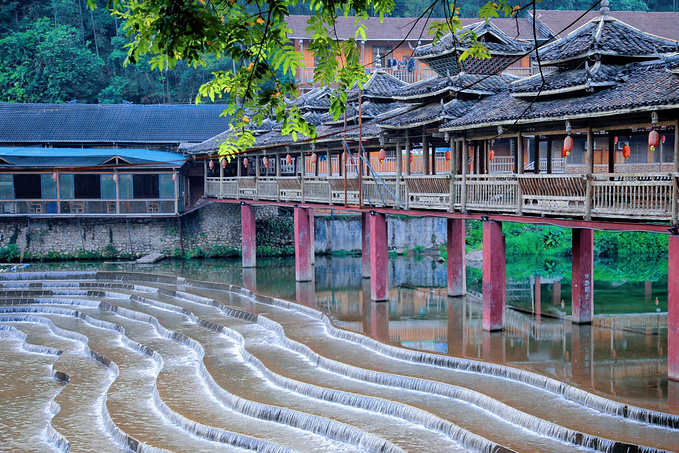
x=45 y=64
x=253 y=33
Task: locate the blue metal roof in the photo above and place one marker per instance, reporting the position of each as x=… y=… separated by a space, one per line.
x=87 y=157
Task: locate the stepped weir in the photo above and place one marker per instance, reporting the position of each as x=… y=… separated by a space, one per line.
x=122 y=361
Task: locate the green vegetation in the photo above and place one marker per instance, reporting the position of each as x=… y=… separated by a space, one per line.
x=545 y=240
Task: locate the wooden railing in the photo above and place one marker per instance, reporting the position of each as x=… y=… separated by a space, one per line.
x=88 y=206
x=650 y=197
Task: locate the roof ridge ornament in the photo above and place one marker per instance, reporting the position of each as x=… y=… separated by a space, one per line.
x=604 y=10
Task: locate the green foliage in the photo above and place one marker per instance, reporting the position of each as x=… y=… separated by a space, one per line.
x=629 y=244
x=418 y=250
x=9 y=253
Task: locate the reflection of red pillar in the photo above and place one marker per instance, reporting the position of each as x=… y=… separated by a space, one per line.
x=303 y=270
x=494 y=286
x=365 y=304
x=456 y=326
x=379 y=320
x=582 y=354
x=556 y=294
x=673 y=397
x=379 y=255
x=305 y=293
x=248 y=235
x=538 y=299
x=673 y=309
x=493 y=347
x=365 y=245
x=457 y=272
x=583 y=266
x=250 y=279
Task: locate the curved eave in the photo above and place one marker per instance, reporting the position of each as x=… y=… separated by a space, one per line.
x=609 y=54
x=463 y=49
x=572 y=89
x=411 y=125
x=421 y=95
x=513 y=122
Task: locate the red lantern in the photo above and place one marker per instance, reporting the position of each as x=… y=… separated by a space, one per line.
x=564 y=153
x=491 y=155
x=211 y=165
x=54 y=175
x=223 y=163
x=664 y=137
x=265 y=162
x=411 y=158
x=382 y=155
x=245 y=162
x=174 y=176
x=568 y=144
x=615 y=140
x=653 y=138
x=625 y=151
x=288 y=159
x=344 y=156
x=314 y=158
x=448 y=155
x=115 y=177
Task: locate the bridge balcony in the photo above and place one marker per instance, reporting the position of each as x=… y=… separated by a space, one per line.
x=642 y=197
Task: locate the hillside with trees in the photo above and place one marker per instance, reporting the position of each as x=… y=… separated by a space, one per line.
x=62 y=51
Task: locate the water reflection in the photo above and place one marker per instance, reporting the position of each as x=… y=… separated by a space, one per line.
x=621 y=356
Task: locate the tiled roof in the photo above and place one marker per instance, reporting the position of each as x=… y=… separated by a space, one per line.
x=88 y=157
x=464 y=83
x=88 y=123
x=485 y=31
x=427 y=114
x=382 y=85
x=647 y=85
x=561 y=23
x=399 y=28
x=605 y=35
x=568 y=80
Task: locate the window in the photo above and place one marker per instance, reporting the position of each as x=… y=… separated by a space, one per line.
x=6 y=187
x=146 y=186
x=49 y=187
x=384 y=53
x=87 y=186
x=166 y=186
x=66 y=186
x=108 y=187
x=27 y=186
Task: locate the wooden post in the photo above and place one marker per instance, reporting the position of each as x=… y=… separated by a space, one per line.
x=399 y=170
x=451 y=190
x=408 y=166
x=536 y=155
x=425 y=153
x=611 y=152
x=432 y=147
x=589 y=162
x=465 y=167
x=550 y=155
x=675 y=166
x=329 y=162
x=519 y=154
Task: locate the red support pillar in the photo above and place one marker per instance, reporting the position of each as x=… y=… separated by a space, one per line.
x=379 y=258
x=673 y=309
x=457 y=271
x=303 y=269
x=494 y=273
x=583 y=267
x=248 y=235
x=365 y=245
